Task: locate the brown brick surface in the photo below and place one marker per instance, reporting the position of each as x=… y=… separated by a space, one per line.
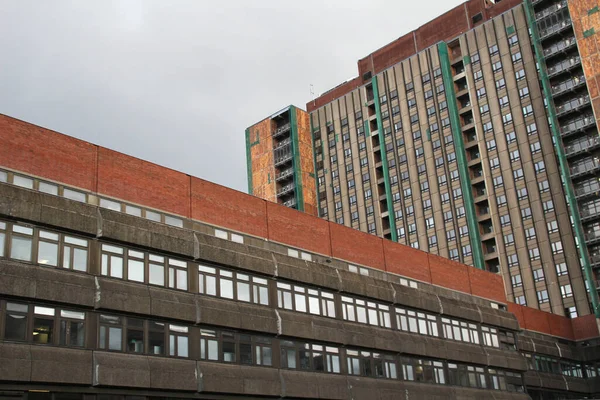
x=142 y=182
x=261 y=155
x=585 y=327
x=404 y=260
x=488 y=285
x=449 y=274
x=218 y=205
x=42 y=152
x=356 y=246
x=298 y=229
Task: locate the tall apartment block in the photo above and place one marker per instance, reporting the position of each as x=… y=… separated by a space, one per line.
x=280 y=160
x=124 y=280
x=474 y=137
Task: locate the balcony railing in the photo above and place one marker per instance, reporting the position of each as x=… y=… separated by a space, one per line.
x=284 y=174
x=585 y=167
x=564 y=65
x=572 y=105
x=588 y=189
x=550 y=10
x=582 y=145
x=285 y=189
x=561 y=46
x=592 y=236
x=551 y=30
x=594 y=258
x=290 y=203
x=283 y=143
x=282 y=129
x=587 y=214
x=577 y=124
x=568 y=85
x=283 y=158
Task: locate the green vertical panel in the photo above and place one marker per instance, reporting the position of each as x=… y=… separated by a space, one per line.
x=367 y=129
x=467 y=60
x=296 y=158
x=316 y=176
x=562 y=159
x=461 y=156
x=386 y=170
x=588 y=33
x=248 y=161
x=510 y=30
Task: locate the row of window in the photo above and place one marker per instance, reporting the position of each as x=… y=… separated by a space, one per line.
x=77 y=195
x=45 y=325
x=543 y=363
x=65 y=251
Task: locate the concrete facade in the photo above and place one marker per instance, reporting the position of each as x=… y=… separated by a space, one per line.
x=102 y=299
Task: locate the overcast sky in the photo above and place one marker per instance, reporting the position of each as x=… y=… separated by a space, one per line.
x=177 y=82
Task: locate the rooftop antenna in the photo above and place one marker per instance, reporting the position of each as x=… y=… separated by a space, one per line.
x=312 y=93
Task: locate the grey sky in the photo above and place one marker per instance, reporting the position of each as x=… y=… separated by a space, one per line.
x=177 y=82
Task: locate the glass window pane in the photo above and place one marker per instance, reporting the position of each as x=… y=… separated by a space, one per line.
x=74 y=195
x=71 y=333
x=226 y=288
x=157 y=274
x=116 y=267
x=182 y=346
x=2 y=243
x=43 y=330
x=20 y=248
x=110 y=204
x=48 y=253
x=173 y=221
x=213 y=350
x=181 y=279
x=131 y=210
x=79 y=259
x=228 y=352
x=313 y=304
x=152 y=216
x=3 y=176
x=246 y=354
x=290 y=355
x=264 y=297
x=300 y=302
x=267 y=357
x=114 y=338
x=135 y=341
x=156 y=342
x=16 y=327
x=17 y=307
x=23 y=181
x=135 y=270
x=243 y=291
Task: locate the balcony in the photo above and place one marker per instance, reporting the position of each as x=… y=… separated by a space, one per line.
x=560 y=47
x=281 y=130
x=283 y=143
x=554 y=29
x=582 y=146
x=550 y=10
x=285 y=189
x=568 y=85
x=585 y=167
x=587 y=188
x=572 y=105
x=588 y=214
x=290 y=203
x=577 y=124
x=595 y=259
x=283 y=158
x=285 y=174
x=592 y=237
x=563 y=66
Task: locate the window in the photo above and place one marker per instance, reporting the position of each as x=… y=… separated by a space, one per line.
x=518 y=174
x=498 y=182
x=447 y=216
x=505 y=220
x=309 y=357
x=412 y=103
x=561 y=269
x=512 y=40
x=365 y=312
x=516 y=57
x=530 y=233
x=480 y=93
x=548 y=206
x=557 y=247
x=463 y=231
x=524 y=92
x=538 y=275
x=306 y=300
x=490 y=336
x=445 y=198
x=539 y=166
x=535 y=147
x=509 y=239
x=409 y=86
x=520 y=74
x=542 y=296
x=21 y=243
x=111 y=333
x=426 y=204
x=491 y=144
x=460 y=331
x=451 y=235
x=232 y=285
x=74 y=195
x=466 y=250
x=513 y=260
x=429 y=223
x=453 y=254
x=571 y=312
x=503 y=101
x=520 y=300
x=484 y=109
x=522 y=193
x=416 y=322
x=442 y=180
x=457 y=193
x=501 y=200
x=514 y=155
x=500 y=83
x=507 y=118
x=178 y=341
x=478 y=75
x=443 y=105
x=474 y=58
x=544 y=186
x=534 y=254
x=460 y=212
x=493 y=49
x=497 y=66
x=494 y=163
x=414 y=119
x=15 y=325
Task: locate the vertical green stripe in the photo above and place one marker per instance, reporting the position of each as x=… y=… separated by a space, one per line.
x=461 y=155
x=296 y=159
x=562 y=159
x=312 y=138
x=249 y=162
x=386 y=170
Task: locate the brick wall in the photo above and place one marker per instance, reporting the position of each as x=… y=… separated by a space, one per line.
x=35 y=150
x=443 y=28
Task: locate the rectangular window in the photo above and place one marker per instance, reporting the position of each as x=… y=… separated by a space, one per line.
x=15 y=323
x=21 y=243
